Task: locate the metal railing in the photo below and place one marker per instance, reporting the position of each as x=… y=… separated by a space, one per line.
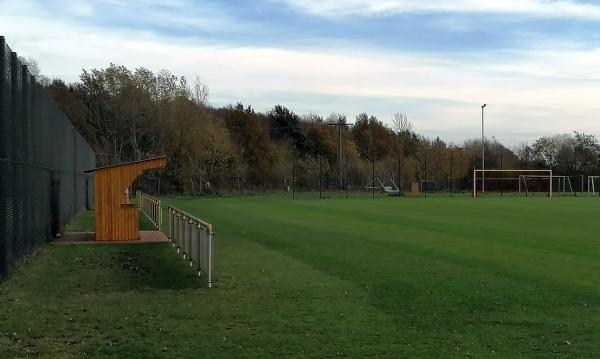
x=194 y=239
x=151 y=208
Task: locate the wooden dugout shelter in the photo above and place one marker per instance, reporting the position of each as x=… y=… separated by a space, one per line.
x=116 y=218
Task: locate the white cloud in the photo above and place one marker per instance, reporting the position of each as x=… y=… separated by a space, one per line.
x=180 y=15
x=79 y=8
x=538 y=8
x=529 y=94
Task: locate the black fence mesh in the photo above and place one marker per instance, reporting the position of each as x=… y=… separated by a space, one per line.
x=42 y=159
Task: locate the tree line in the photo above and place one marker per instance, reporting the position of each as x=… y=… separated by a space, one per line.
x=129 y=115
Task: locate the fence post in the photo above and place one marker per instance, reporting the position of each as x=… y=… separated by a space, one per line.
x=550 y=193
x=4 y=165
x=474 y=194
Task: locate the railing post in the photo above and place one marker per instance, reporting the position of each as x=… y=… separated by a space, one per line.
x=160 y=215
x=170 y=225
x=152 y=209
x=190 y=247
x=209 y=269
x=178 y=232
x=199 y=230
x=185 y=238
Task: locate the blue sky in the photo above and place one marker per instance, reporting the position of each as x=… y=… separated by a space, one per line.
x=535 y=62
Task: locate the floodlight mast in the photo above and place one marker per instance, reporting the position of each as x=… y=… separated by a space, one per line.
x=482 y=150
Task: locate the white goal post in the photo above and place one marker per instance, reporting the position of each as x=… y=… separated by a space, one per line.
x=563 y=183
x=591 y=184
x=543 y=173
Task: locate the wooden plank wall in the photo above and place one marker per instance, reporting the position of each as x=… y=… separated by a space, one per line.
x=116 y=219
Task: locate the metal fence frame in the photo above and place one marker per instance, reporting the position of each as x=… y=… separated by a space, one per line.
x=42 y=159
x=194 y=239
x=151 y=208
x=483 y=172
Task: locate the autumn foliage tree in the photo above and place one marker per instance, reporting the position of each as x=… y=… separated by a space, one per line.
x=135 y=114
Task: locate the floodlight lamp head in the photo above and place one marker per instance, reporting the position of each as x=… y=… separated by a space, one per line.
x=484 y=105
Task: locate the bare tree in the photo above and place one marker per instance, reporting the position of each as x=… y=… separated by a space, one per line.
x=522 y=151
x=200 y=91
x=34 y=68
x=32 y=65
x=337 y=118
x=401 y=123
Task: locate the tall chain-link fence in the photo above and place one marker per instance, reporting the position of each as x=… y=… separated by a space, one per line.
x=42 y=159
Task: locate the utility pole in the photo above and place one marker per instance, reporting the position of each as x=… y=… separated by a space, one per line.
x=339 y=125
x=399 y=175
x=452 y=149
x=502 y=167
x=474 y=194
x=425 y=175
x=346 y=178
x=451 y=173
x=320 y=181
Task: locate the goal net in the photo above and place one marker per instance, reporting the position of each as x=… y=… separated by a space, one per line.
x=388 y=186
x=428 y=186
x=561 y=185
x=513 y=182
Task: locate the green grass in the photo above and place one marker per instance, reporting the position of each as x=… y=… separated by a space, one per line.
x=411 y=277
x=84 y=222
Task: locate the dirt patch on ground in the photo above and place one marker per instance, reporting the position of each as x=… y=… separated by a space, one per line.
x=72 y=237
x=76 y=237
x=128 y=261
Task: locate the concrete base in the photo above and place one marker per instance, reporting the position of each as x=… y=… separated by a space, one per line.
x=89 y=238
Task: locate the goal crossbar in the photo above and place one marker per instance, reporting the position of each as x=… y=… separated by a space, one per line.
x=482 y=171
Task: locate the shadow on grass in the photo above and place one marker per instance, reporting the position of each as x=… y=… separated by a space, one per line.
x=117 y=267
x=85 y=222
x=164 y=268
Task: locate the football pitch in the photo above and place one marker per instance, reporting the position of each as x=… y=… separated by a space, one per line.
x=359 y=277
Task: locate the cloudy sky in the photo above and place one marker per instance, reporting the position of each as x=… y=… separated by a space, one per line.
x=536 y=63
